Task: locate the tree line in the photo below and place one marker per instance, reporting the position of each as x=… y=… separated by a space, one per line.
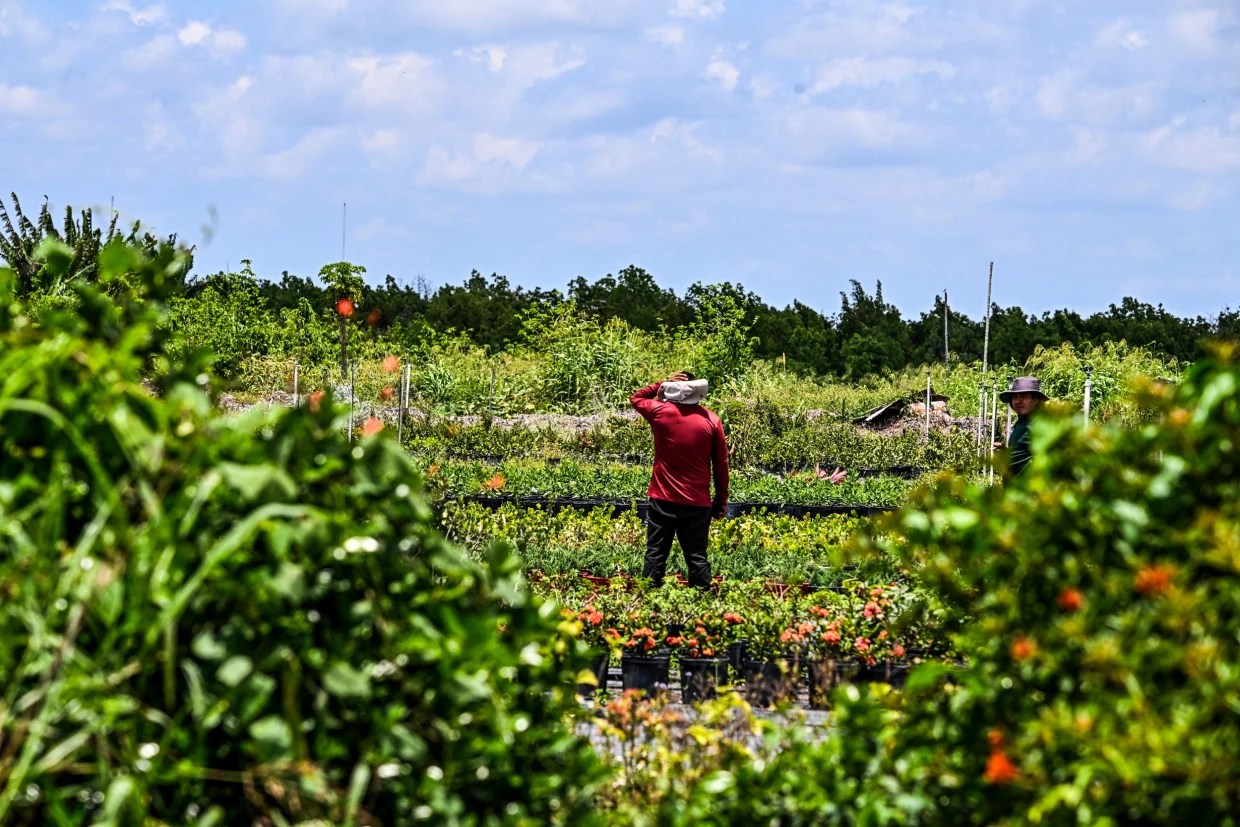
x=867 y=336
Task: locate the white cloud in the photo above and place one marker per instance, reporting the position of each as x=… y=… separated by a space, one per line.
x=850 y=29
x=382 y=142
x=1088 y=144
x=1205 y=149
x=144 y=16
x=1121 y=34
x=15 y=22
x=820 y=131
x=398 y=80
x=477 y=16
x=492 y=164
x=724 y=72
x=1064 y=96
x=292 y=163
x=668 y=35
x=1194 y=198
x=157 y=51
x=864 y=72
x=537 y=62
x=21 y=100
x=1197 y=29
x=513 y=151
x=493 y=56
x=698 y=9
x=218 y=41
x=684 y=136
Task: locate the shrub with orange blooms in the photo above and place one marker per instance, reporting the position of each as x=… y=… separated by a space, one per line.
x=391 y=364
x=1151 y=581
x=495 y=483
x=345 y=307
x=1092 y=608
x=372 y=426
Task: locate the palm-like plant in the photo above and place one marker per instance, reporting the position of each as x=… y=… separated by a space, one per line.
x=21 y=237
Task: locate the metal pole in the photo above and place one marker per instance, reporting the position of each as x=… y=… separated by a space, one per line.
x=400 y=405
x=927 y=404
x=352 y=378
x=1089 y=385
x=986 y=340
x=344 y=216
x=296 y=395
x=981 y=414
x=946 y=352
x=994 y=392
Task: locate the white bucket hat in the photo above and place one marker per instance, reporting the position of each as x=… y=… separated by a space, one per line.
x=685 y=393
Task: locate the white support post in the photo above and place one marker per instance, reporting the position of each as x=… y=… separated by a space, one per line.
x=296 y=391
x=1089 y=386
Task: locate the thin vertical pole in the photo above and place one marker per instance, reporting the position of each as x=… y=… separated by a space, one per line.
x=986 y=340
x=352 y=384
x=400 y=405
x=946 y=351
x=1007 y=435
x=1089 y=384
x=344 y=217
x=296 y=394
x=927 y=404
x=994 y=392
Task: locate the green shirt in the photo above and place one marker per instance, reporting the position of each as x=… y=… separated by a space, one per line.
x=1019 y=452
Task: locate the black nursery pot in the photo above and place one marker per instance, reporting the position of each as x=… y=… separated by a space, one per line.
x=651 y=674
x=736 y=655
x=700 y=678
x=768 y=683
x=601 y=667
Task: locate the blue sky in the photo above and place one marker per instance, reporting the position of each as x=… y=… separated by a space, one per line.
x=1090 y=148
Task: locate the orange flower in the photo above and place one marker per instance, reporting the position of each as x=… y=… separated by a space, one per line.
x=316 y=399
x=391 y=364
x=433 y=469
x=372 y=426
x=733 y=617
x=897 y=651
x=345 y=307
x=1023 y=648
x=861 y=644
x=494 y=483
x=387 y=393
x=1000 y=769
x=1071 y=600
x=374 y=316
x=831 y=636
x=1152 y=581
x=871 y=609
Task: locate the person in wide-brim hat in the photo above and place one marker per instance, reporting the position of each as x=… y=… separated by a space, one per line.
x=1023 y=384
x=1025 y=396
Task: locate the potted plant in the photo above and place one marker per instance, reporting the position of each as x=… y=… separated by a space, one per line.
x=703 y=666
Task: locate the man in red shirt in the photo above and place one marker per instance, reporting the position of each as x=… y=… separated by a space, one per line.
x=689 y=449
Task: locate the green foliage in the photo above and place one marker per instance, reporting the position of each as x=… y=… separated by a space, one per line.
x=234 y=620
x=720 y=336
x=82 y=240
x=226 y=315
x=1094 y=598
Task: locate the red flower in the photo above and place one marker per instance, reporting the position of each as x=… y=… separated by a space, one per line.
x=733 y=617
x=387 y=393
x=494 y=483
x=372 y=426
x=374 y=316
x=897 y=651
x=345 y=307
x=1000 y=769
x=1071 y=600
x=316 y=399
x=871 y=609
x=1023 y=648
x=675 y=640
x=1152 y=581
x=831 y=636
x=862 y=644
x=391 y=364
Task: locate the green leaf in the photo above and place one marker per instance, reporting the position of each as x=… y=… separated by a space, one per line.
x=234 y=670
x=344 y=681
x=207 y=646
x=252 y=480
x=273 y=733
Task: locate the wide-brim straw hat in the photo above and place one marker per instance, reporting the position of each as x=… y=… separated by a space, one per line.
x=1023 y=384
x=685 y=393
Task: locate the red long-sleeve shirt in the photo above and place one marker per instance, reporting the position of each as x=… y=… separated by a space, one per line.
x=688 y=445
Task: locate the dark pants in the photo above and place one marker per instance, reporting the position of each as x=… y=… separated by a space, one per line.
x=691 y=524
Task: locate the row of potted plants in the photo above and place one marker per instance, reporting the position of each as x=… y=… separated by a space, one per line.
x=742 y=632
x=587 y=480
